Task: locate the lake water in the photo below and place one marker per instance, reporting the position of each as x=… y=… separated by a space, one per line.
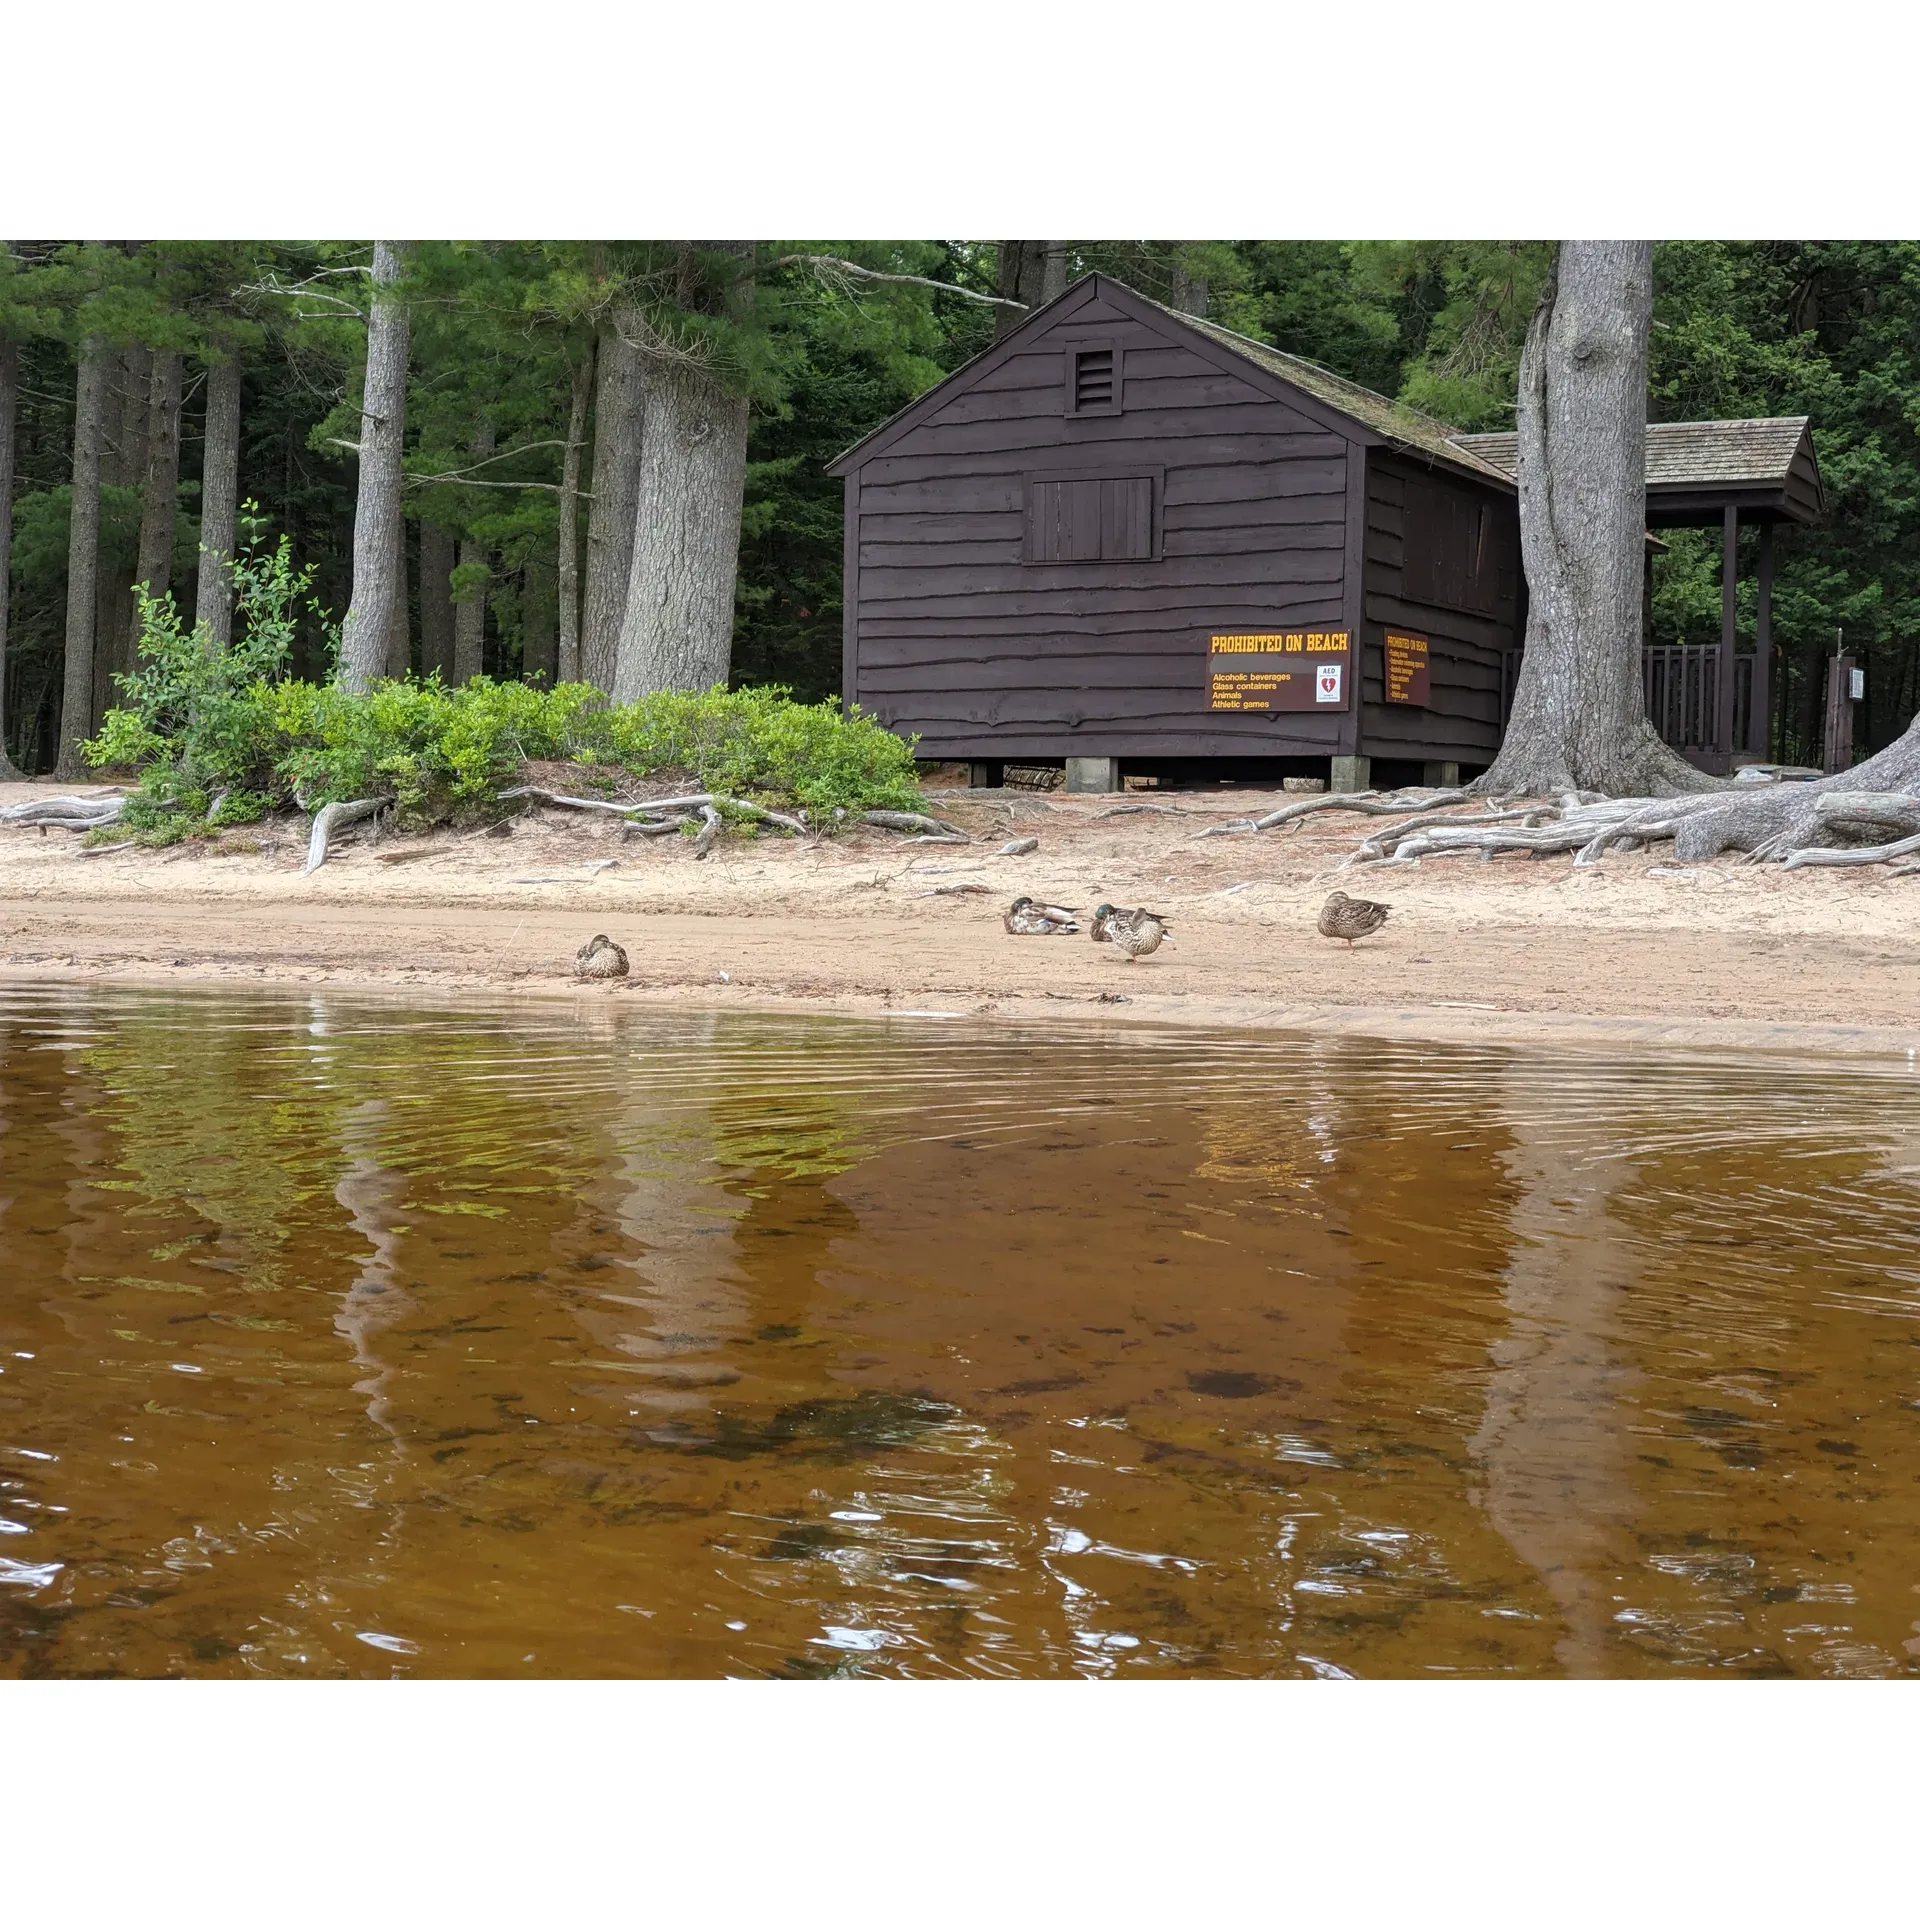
x=477 y=1339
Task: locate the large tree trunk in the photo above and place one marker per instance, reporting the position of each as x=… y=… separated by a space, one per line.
x=219 y=502
x=83 y=556
x=678 y=631
x=123 y=463
x=539 y=617
x=619 y=416
x=376 y=518
x=436 y=601
x=567 y=662
x=470 y=610
x=9 y=415
x=161 y=503
x=1579 y=716
x=1029 y=270
x=1189 y=292
x=399 y=622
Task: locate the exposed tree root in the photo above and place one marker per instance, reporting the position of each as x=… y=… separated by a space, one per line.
x=1374 y=803
x=1864 y=817
x=334 y=815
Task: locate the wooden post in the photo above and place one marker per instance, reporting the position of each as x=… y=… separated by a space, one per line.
x=1729 y=610
x=1837 y=755
x=1759 y=692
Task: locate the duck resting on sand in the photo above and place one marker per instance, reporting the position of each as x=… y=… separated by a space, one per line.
x=1027 y=915
x=600 y=959
x=1134 y=930
x=1344 y=918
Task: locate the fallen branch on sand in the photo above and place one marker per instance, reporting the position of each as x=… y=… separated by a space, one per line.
x=704 y=839
x=942 y=831
x=77 y=813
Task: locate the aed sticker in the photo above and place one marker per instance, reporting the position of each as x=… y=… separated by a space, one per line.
x=1326 y=683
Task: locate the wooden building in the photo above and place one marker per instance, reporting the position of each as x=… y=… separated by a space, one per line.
x=1127 y=538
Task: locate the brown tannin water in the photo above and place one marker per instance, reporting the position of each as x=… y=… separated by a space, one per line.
x=352 y=1338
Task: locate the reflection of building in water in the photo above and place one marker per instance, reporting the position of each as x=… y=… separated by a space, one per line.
x=1552 y=1445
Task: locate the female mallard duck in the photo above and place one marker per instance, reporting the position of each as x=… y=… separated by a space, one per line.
x=1344 y=918
x=600 y=959
x=1032 y=916
x=1134 y=930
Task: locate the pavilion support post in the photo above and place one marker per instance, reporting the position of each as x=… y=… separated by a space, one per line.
x=1759 y=698
x=1729 y=628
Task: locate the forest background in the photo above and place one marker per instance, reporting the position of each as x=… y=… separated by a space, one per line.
x=519 y=350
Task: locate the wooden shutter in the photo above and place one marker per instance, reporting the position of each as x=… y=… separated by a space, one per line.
x=1089 y=519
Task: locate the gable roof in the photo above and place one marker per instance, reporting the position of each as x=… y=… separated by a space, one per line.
x=1367 y=416
x=1392 y=420
x=1703 y=456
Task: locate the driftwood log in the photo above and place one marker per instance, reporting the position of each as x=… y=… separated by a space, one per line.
x=77 y=813
x=929 y=829
x=708 y=834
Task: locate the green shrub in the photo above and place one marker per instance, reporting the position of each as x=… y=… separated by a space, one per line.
x=200 y=723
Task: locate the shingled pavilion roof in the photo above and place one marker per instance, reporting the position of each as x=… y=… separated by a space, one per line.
x=1698 y=468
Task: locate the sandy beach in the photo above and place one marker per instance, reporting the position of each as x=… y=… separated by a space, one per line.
x=1635 y=952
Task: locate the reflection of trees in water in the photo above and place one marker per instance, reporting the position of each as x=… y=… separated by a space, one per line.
x=1552 y=1444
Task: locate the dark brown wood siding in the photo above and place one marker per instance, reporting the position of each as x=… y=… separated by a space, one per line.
x=956 y=634
x=1471 y=614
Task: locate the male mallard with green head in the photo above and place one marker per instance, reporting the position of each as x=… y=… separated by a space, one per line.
x=1344 y=918
x=1027 y=915
x=600 y=959
x=1134 y=930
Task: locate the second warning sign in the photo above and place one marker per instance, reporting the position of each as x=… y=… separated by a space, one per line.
x=1304 y=671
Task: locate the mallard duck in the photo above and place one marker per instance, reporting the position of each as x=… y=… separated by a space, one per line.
x=1134 y=930
x=1348 y=919
x=1027 y=915
x=600 y=959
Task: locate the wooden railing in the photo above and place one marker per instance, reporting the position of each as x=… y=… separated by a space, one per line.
x=1681 y=687
x=1682 y=691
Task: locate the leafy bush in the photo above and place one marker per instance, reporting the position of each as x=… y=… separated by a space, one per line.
x=198 y=723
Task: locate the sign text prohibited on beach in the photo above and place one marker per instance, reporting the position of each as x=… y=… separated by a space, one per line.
x=1303 y=670
x=1406 y=669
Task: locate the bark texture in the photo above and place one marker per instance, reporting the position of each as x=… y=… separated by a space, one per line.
x=436 y=601
x=9 y=419
x=376 y=518
x=83 y=554
x=470 y=610
x=678 y=631
x=219 y=502
x=567 y=661
x=618 y=422
x=160 y=501
x=400 y=620
x=1579 y=717
x=1025 y=276
x=1189 y=293
x=123 y=464
x=539 y=623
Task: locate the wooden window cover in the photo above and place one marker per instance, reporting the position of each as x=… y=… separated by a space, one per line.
x=1450 y=557
x=1094 y=371
x=1081 y=518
